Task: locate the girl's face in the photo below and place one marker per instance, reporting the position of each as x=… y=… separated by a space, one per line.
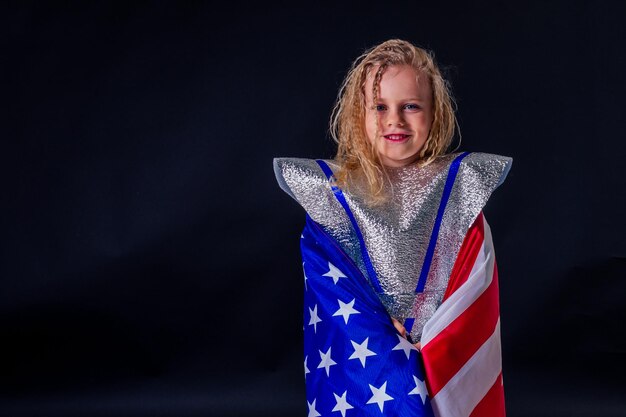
x=399 y=122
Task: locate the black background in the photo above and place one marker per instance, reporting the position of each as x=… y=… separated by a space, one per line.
x=150 y=263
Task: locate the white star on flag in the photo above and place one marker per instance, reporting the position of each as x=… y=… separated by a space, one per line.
x=379 y=396
x=342 y=404
x=314 y=318
x=361 y=352
x=420 y=389
x=345 y=309
x=404 y=345
x=312 y=411
x=326 y=361
x=306 y=368
x=334 y=273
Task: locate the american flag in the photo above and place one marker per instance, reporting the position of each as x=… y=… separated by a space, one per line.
x=461 y=342
x=356 y=363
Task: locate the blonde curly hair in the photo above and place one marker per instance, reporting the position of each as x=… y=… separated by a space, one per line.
x=356 y=155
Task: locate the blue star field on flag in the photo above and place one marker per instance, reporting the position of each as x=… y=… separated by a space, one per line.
x=355 y=362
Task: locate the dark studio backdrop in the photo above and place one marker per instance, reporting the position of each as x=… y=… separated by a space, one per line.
x=150 y=264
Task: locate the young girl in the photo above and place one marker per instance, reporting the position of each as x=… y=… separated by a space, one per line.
x=401 y=293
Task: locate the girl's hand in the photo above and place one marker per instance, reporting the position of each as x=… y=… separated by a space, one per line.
x=399 y=327
x=402 y=330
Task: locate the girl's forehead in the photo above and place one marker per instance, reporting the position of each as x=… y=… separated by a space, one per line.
x=390 y=73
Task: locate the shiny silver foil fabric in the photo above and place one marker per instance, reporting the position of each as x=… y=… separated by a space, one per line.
x=397 y=233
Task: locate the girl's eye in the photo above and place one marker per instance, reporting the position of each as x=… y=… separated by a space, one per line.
x=412 y=107
x=380 y=107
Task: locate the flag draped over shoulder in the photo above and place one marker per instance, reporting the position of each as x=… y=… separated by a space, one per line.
x=434 y=236
x=356 y=363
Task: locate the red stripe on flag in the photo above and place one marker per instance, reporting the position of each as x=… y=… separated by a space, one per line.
x=447 y=352
x=467 y=256
x=492 y=404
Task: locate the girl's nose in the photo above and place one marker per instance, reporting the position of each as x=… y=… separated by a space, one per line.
x=395 y=119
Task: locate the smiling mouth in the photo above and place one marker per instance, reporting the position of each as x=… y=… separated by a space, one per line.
x=396 y=137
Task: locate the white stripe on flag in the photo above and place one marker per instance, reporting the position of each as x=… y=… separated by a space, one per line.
x=466 y=388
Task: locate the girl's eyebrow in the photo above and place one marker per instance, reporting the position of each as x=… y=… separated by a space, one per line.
x=404 y=99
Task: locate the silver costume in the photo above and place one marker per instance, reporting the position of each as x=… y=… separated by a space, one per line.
x=397 y=233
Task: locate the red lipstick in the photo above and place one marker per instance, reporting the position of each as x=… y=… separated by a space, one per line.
x=397 y=137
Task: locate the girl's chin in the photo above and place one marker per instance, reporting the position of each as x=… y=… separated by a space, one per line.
x=398 y=161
